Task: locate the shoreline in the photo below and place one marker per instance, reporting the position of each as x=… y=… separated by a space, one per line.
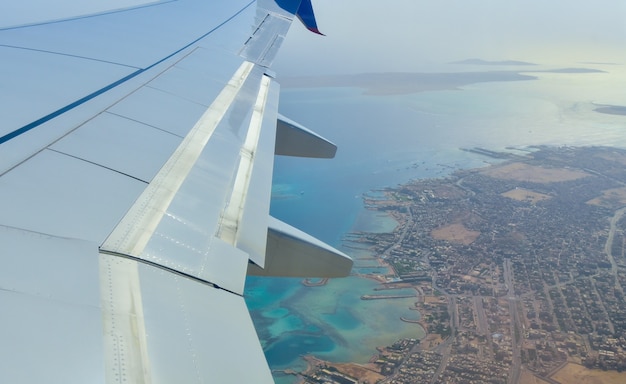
x=570 y=134
x=428 y=302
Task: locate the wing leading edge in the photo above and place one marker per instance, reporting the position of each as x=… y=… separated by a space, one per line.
x=135 y=178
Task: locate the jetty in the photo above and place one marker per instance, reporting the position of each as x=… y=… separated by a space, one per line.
x=380 y=297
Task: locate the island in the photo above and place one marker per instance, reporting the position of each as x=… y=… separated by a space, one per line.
x=491 y=62
x=519 y=269
x=403 y=83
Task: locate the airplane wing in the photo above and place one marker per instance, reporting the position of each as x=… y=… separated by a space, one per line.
x=136 y=153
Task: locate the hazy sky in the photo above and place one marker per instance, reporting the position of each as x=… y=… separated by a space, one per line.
x=414 y=35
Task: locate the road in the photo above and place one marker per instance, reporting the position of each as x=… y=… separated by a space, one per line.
x=407 y=226
x=444 y=347
x=608 y=247
x=516 y=326
x=482 y=326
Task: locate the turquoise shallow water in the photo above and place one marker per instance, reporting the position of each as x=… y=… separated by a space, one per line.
x=330 y=320
x=384 y=141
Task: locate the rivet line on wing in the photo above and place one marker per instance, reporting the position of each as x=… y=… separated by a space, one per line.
x=134 y=231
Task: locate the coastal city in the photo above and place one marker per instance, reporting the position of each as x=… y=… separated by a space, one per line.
x=519 y=272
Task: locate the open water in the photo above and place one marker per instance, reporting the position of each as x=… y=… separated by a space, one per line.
x=385 y=141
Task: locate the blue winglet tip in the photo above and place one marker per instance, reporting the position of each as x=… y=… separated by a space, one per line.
x=315 y=30
x=307 y=17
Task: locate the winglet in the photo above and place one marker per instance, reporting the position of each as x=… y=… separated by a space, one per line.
x=307 y=17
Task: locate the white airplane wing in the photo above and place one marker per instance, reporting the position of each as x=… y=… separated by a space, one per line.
x=136 y=153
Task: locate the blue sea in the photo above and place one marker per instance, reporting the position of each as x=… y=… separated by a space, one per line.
x=385 y=141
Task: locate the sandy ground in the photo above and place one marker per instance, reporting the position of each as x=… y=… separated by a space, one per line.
x=575 y=373
x=613 y=156
x=528 y=378
x=521 y=194
x=456 y=233
x=532 y=173
x=360 y=372
x=430 y=341
x=435 y=300
x=610 y=198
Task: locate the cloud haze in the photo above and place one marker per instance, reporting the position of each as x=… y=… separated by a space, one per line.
x=410 y=35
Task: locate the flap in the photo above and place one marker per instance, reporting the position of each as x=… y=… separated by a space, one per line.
x=293 y=253
x=293 y=139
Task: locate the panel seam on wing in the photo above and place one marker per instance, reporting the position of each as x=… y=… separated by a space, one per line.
x=69 y=55
x=84 y=99
x=170 y=270
x=97 y=164
x=30 y=126
x=89 y=15
x=144 y=123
